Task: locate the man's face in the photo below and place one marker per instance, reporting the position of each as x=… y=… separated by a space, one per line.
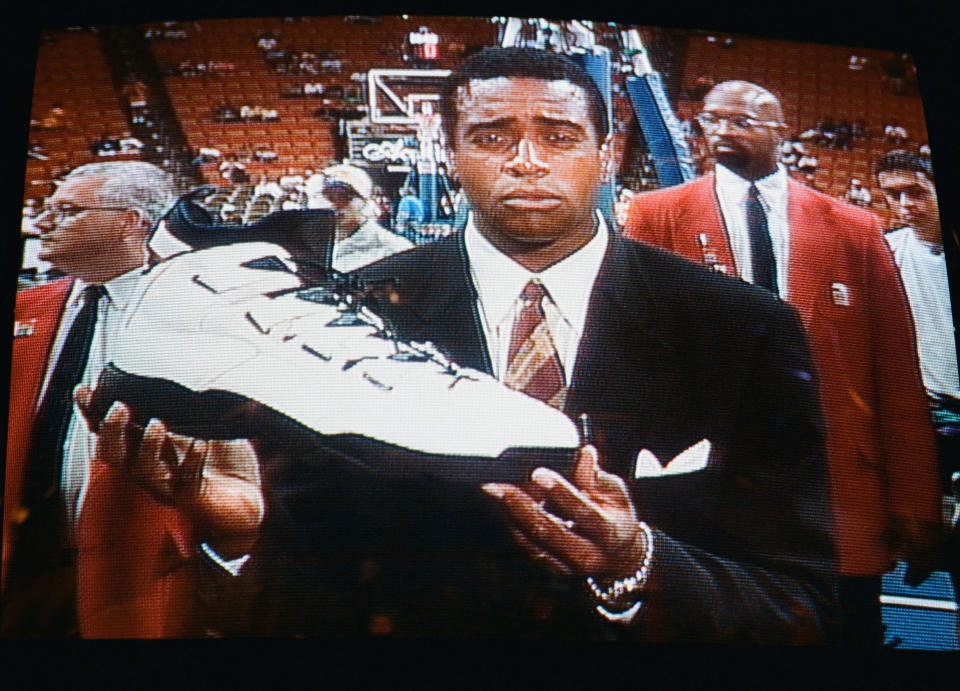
x=347 y=205
x=530 y=162
x=752 y=148
x=85 y=240
x=913 y=197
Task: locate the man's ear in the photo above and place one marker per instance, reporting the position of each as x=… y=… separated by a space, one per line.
x=135 y=225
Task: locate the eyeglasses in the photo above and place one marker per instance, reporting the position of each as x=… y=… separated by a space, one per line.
x=744 y=123
x=62 y=213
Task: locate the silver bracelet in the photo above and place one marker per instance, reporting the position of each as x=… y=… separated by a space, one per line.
x=632 y=584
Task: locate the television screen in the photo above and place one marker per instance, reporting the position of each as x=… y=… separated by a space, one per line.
x=483 y=327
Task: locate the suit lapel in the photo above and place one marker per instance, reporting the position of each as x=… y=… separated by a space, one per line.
x=810 y=246
x=621 y=358
x=708 y=241
x=445 y=305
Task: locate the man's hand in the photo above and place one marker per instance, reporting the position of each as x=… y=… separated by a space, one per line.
x=215 y=483
x=919 y=544
x=591 y=527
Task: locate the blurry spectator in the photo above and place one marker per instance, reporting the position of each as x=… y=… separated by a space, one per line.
x=842 y=136
x=135 y=91
x=56 y=118
x=129 y=144
x=206 y=154
x=105 y=146
x=264 y=154
x=267 y=42
x=226 y=113
x=790 y=153
x=924 y=149
x=291 y=181
x=895 y=134
x=813 y=134
x=314 y=89
x=220 y=67
x=292 y=202
x=858 y=130
x=258 y=114
x=858 y=194
x=807 y=164
x=37 y=151
x=856 y=62
x=267 y=187
x=410 y=212
x=234 y=171
x=360 y=240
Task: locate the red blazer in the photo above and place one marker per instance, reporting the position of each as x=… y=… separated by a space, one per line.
x=133 y=551
x=844 y=284
x=37 y=317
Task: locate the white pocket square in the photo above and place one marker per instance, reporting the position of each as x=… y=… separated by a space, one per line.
x=688 y=461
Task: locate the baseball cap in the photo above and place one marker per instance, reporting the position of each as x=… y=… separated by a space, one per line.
x=351 y=176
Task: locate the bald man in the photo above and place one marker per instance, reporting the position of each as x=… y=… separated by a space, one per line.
x=828 y=259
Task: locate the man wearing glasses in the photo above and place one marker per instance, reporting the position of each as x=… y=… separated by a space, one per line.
x=93 y=229
x=828 y=259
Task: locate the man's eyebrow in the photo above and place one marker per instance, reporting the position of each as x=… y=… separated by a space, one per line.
x=488 y=124
x=504 y=121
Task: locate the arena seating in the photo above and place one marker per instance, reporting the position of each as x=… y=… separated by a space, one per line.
x=814 y=82
x=72 y=74
x=301 y=140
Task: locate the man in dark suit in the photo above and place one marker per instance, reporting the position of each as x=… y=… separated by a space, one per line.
x=697 y=512
x=828 y=259
x=659 y=355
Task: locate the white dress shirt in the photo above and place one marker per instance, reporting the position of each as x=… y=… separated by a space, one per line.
x=732 y=194
x=370 y=243
x=924 y=274
x=79 y=446
x=500 y=281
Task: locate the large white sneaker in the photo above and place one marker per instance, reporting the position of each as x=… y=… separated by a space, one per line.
x=224 y=342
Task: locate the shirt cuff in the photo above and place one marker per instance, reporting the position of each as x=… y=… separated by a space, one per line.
x=231 y=566
x=625 y=618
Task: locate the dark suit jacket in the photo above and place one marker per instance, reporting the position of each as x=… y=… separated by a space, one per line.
x=846 y=288
x=672 y=354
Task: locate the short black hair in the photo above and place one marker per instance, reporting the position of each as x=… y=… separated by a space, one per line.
x=533 y=63
x=901 y=159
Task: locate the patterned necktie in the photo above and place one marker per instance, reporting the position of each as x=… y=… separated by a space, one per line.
x=533 y=363
x=761 y=249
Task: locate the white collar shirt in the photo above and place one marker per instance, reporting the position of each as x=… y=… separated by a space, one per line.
x=370 y=243
x=500 y=280
x=80 y=442
x=732 y=193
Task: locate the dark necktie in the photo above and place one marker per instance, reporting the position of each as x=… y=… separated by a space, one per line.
x=533 y=363
x=56 y=410
x=761 y=248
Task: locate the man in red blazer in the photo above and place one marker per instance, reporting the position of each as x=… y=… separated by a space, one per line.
x=829 y=260
x=93 y=229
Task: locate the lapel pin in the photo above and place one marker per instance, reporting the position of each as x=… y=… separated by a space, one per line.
x=840 y=294
x=24 y=328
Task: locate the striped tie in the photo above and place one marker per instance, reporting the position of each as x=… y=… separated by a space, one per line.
x=534 y=366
